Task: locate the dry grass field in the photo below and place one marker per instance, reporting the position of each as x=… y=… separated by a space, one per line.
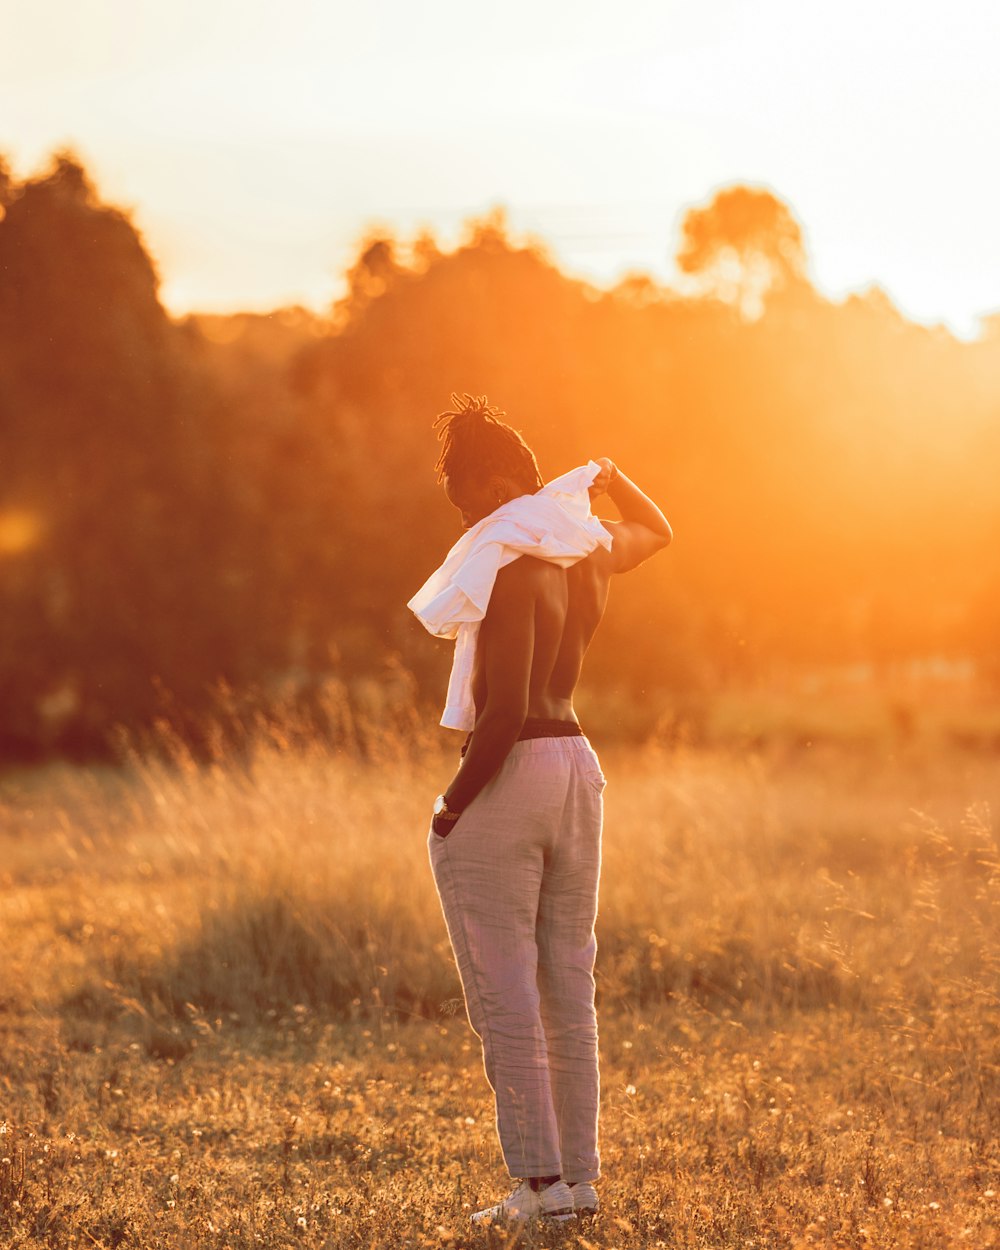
x=229 y=1017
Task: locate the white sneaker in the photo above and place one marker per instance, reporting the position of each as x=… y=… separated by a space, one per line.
x=555 y=1202
x=585 y=1198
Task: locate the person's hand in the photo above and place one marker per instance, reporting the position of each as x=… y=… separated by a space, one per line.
x=607 y=475
x=443 y=824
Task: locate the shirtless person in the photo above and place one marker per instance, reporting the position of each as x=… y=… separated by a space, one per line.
x=515 y=842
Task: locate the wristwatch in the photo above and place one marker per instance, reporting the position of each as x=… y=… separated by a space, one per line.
x=442 y=810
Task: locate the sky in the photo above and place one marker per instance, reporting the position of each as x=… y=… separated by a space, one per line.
x=256 y=142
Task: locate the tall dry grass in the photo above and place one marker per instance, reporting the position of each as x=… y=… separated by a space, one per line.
x=746 y=880
x=799 y=985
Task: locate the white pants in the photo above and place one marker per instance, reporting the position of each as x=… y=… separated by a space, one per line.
x=518 y=877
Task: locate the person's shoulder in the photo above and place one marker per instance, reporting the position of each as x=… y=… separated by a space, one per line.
x=527 y=578
x=518 y=585
x=599 y=561
x=528 y=571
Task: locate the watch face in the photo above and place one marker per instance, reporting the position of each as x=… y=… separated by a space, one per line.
x=439 y=805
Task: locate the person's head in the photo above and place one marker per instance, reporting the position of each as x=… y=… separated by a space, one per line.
x=484 y=462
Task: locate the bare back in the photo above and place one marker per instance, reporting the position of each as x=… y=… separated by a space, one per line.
x=537 y=628
x=567 y=607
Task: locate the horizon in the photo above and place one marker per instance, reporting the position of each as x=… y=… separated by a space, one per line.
x=254 y=152
x=673 y=283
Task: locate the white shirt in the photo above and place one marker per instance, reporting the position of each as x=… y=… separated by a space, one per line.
x=554 y=524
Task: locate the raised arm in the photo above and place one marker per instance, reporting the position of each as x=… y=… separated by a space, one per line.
x=643 y=529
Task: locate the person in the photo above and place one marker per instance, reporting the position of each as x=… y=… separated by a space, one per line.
x=515 y=840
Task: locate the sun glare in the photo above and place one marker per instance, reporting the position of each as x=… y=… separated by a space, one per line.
x=20 y=530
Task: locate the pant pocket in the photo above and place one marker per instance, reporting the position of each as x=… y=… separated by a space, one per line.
x=597 y=781
x=447 y=826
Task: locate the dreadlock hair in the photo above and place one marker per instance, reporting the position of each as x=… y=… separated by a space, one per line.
x=477 y=443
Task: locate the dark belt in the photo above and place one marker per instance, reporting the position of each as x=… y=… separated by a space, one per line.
x=541 y=727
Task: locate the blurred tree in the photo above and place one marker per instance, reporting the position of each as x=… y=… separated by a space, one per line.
x=252 y=497
x=744 y=244
x=105 y=443
x=370 y=276
x=7 y=185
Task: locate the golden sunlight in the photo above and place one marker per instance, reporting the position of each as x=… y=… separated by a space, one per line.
x=20 y=530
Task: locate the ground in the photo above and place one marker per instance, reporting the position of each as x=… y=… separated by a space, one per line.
x=229 y=1017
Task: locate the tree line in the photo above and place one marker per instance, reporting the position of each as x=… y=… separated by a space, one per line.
x=225 y=515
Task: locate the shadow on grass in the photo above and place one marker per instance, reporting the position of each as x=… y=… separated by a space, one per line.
x=277 y=958
x=258 y=957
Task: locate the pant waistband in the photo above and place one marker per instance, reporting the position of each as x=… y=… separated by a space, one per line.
x=541 y=727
